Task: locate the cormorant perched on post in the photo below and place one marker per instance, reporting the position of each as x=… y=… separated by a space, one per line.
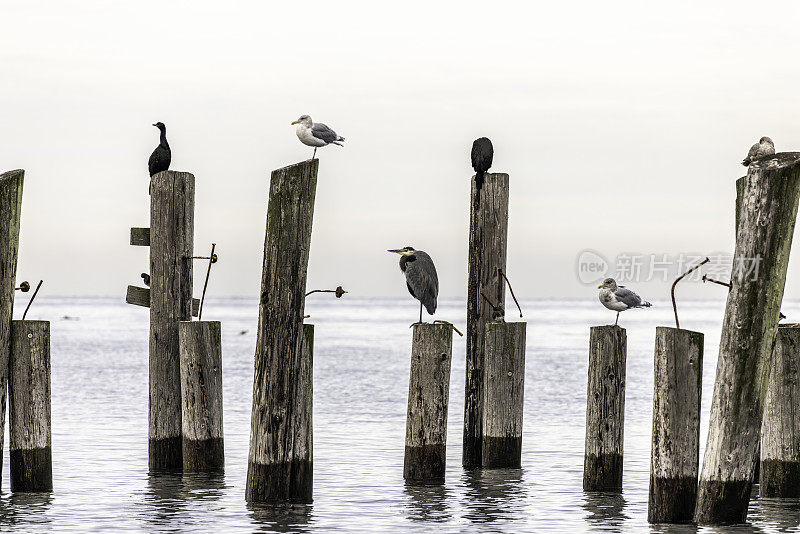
x=482 y=156
x=161 y=156
x=316 y=134
x=421 y=278
x=764 y=147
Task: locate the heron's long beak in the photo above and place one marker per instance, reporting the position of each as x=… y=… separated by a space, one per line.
x=295 y=122
x=395 y=250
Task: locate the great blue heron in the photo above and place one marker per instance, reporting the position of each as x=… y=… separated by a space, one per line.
x=619 y=298
x=764 y=147
x=161 y=156
x=482 y=156
x=315 y=134
x=421 y=278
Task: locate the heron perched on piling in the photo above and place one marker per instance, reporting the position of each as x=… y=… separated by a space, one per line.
x=482 y=156
x=764 y=147
x=421 y=278
x=316 y=134
x=619 y=298
x=161 y=156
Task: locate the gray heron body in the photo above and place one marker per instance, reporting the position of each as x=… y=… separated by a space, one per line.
x=421 y=278
x=764 y=147
x=619 y=298
x=316 y=134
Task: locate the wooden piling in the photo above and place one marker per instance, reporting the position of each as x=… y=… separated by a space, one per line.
x=29 y=406
x=780 y=429
x=675 y=448
x=503 y=399
x=428 y=397
x=171 y=243
x=280 y=463
x=605 y=409
x=10 y=210
x=488 y=229
x=201 y=395
x=763 y=239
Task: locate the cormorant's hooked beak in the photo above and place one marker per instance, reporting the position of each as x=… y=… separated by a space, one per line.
x=295 y=122
x=156 y=125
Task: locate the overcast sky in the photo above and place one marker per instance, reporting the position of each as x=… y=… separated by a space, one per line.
x=621 y=124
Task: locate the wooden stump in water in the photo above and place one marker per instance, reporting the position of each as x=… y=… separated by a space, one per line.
x=171 y=243
x=201 y=395
x=780 y=429
x=29 y=395
x=280 y=461
x=504 y=387
x=488 y=229
x=605 y=409
x=763 y=240
x=10 y=210
x=428 y=397
x=675 y=448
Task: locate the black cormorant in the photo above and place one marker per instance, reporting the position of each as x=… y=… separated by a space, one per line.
x=482 y=156
x=162 y=155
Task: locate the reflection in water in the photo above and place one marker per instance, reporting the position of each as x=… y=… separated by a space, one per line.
x=493 y=494
x=605 y=510
x=169 y=496
x=281 y=517
x=427 y=503
x=781 y=514
x=25 y=510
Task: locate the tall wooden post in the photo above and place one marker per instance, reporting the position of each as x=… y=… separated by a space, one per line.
x=763 y=241
x=171 y=243
x=488 y=229
x=280 y=464
x=29 y=405
x=428 y=397
x=780 y=429
x=605 y=409
x=675 y=449
x=10 y=210
x=201 y=395
x=504 y=395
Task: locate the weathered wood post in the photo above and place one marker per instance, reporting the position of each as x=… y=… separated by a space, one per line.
x=10 y=210
x=428 y=397
x=780 y=429
x=280 y=463
x=201 y=395
x=29 y=406
x=605 y=409
x=503 y=401
x=675 y=448
x=171 y=243
x=763 y=241
x=488 y=229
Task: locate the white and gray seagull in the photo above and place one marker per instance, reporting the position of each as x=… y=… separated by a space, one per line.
x=316 y=134
x=619 y=298
x=764 y=147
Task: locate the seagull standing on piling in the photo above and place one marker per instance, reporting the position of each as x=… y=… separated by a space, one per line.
x=161 y=156
x=482 y=156
x=619 y=298
x=316 y=134
x=764 y=147
x=421 y=278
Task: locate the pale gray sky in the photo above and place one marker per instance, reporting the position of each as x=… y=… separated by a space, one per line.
x=622 y=125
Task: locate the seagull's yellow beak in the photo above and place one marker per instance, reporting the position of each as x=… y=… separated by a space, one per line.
x=295 y=122
x=600 y=286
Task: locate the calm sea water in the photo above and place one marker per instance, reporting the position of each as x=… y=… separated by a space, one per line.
x=99 y=410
